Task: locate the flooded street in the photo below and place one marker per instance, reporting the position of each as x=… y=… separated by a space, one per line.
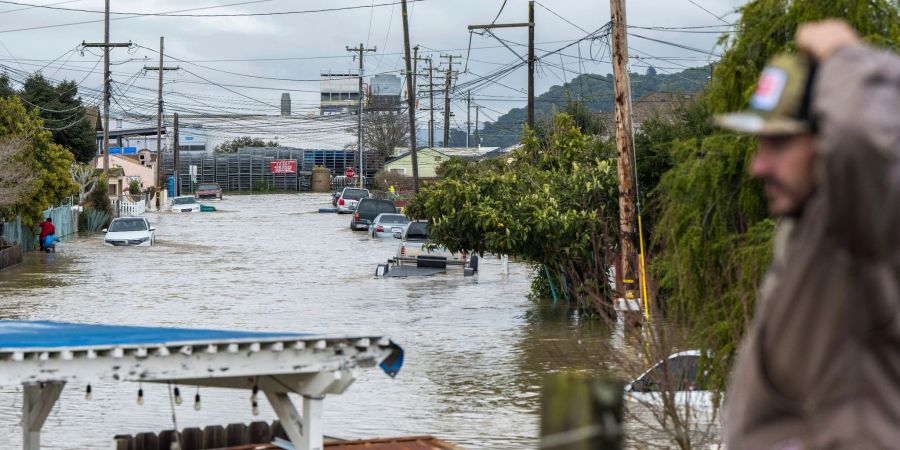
x=476 y=348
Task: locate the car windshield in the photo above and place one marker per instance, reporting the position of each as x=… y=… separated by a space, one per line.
x=394 y=219
x=355 y=194
x=679 y=372
x=417 y=231
x=183 y=200
x=208 y=187
x=128 y=225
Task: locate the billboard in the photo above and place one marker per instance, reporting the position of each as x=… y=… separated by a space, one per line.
x=283 y=166
x=385 y=85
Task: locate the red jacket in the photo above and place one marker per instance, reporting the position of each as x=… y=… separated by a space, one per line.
x=47 y=229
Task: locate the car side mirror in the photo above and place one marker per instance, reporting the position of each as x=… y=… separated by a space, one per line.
x=103 y=230
x=152 y=228
x=398 y=235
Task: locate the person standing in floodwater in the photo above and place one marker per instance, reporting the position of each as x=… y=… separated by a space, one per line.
x=46 y=228
x=819 y=366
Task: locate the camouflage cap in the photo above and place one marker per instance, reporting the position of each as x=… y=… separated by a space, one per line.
x=780 y=104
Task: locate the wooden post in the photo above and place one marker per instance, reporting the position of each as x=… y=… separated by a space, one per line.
x=581 y=413
x=146 y=441
x=123 y=442
x=410 y=100
x=260 y=432
x=237 y=434
x=214 y=436
x=191 y=439
x=294 y=425
x=37 y=403
x=624 y=145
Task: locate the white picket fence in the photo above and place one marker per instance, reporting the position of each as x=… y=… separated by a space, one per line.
x=127 y=208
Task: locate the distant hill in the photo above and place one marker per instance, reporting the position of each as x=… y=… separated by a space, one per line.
x=596 y=92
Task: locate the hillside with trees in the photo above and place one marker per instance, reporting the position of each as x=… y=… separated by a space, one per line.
x=596 y=93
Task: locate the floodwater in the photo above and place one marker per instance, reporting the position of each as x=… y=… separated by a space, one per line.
x=477 y=348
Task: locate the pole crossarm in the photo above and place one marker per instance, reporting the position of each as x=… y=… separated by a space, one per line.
x=501 y=25
x=102 y=45
x=531 y=58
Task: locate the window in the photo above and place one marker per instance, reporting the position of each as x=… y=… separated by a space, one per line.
x=437 y=159
x=399 y=171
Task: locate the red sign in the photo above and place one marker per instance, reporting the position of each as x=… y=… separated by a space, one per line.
x=283 y=166
x=349 y=172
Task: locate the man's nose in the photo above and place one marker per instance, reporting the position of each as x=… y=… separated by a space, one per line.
x=760 y=165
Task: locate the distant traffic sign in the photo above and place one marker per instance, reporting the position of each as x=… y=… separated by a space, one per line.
x=349 y=172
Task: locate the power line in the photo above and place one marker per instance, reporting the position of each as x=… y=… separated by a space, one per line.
x=171 y=14
x=707 y=11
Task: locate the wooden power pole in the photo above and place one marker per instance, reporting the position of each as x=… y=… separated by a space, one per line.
x=531 y=58
x=430 y=95
x=359 y=113
x=410 y=100
x=624 y=145
x=177 y=159
x=160 y=183
x=448 y=80
x=107 y=79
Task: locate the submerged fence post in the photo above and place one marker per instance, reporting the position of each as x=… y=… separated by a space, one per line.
x=581 y=413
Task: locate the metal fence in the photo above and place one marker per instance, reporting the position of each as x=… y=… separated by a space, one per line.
x=249 y=169
x=64 y=220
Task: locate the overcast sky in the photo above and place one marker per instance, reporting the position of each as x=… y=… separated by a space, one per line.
x=257 y=49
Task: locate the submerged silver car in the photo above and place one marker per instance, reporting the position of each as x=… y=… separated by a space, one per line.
x=386 y=224
x=349 y=198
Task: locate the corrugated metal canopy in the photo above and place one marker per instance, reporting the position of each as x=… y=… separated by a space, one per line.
x=20 y=335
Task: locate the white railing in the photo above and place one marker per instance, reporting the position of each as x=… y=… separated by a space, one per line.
x=127 y=208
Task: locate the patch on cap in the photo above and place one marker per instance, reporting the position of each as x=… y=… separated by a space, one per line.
x=771 y=86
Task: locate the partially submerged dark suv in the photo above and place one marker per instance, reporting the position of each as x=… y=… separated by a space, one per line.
x=368 y=209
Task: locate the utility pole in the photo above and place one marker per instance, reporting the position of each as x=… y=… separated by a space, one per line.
x=359 y=114
x=531 y=64
x=414 y=68
x=477 y=140
x=410 y=100
x=430 y=96
x=430 y=104
x=177 y=158
x=531 y=58
x=106 y=45
x=627 y=196
x=448 y=79
x=159 y=114
x=468 y=116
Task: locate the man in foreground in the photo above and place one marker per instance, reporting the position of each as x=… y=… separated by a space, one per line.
x=819 y=366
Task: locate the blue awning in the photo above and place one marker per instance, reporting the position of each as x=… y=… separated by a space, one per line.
x=16 y=334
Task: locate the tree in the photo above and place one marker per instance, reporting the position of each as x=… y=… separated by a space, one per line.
x=651 y=71
x=383 y=132
x=86 y=178
x=233 y=145
x=713 y=230
x=5 y=87
x=552 y=202
x=16 y=177
x=63 y=114
x=48 y=161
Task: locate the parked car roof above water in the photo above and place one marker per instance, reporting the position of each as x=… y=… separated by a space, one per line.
x=128 y=224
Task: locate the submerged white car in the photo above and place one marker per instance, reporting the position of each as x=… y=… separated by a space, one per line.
x=130 y=231
x=185 y=203
x=680 y=376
